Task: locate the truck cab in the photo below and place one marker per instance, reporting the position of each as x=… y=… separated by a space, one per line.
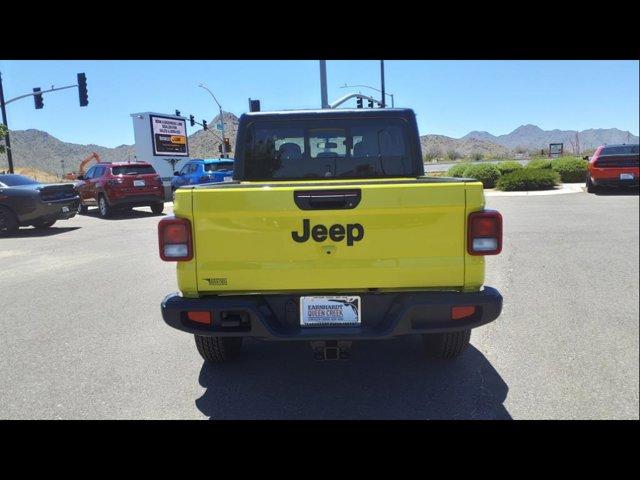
x=330 y=232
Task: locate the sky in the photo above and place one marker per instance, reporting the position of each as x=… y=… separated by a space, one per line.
x=449 y=97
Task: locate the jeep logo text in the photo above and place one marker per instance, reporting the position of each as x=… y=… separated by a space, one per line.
x=353 y=232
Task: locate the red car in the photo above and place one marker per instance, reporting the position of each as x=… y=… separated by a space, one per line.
x=120 y=185
x=613 y=166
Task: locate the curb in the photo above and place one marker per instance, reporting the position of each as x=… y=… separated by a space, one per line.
x=562 y=189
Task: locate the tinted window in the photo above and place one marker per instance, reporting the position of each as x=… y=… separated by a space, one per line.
x=16 y=180
x=621 y=150
x=214 y=167
x=341 y=148
x=185 y=169
x=133 y=169
x=90 y=173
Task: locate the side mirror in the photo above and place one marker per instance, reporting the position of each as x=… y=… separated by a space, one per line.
x=176 y=174
x=80 y=177
x=586 y=157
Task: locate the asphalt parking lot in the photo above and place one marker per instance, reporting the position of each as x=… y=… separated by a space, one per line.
x=82 y=337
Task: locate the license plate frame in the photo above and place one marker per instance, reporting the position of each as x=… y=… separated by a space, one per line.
x=65 y=209
x=139 y=183
x=330 y=310
x=626 y=176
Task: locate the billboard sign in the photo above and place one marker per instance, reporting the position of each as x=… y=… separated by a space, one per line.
x=169 y=136
x=555 y=149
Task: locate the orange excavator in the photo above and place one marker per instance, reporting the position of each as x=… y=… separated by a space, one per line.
x=83 y=166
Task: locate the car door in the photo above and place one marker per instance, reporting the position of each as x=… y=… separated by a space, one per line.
x=85 y=187
x=94 y=184
x=183 y=179
x=194 y=173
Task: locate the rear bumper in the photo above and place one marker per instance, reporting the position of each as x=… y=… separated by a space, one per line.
x=614 y=182
x=384 y=315
x=50 y=210
x=136 y=200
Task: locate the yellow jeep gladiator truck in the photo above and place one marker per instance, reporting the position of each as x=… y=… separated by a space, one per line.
x=330 y=232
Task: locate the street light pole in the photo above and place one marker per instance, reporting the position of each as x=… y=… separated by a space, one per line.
x=224 y=145
x=324 y=97
x=7 y=140
x=382 y=81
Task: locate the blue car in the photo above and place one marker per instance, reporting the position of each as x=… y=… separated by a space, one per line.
x=203 y=170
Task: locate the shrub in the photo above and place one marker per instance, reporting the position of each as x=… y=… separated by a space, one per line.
x=476 y=156
x=571 y=169
x=544 y=163
x=458 y=170
x=508 y=167
x=528 y=179
x=487 y=173
x=431 y=154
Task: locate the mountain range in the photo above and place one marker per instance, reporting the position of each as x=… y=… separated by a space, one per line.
x=37 y=149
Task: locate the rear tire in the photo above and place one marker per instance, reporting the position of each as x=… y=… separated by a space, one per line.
x=8 y=222
x=218 y=349
x=103 y=207
x=591 y=188
x=157 y=208
x=446 y=345
x=44 y=225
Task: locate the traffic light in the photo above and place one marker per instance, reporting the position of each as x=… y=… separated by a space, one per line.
x=227 y=145
x=82 y=90
x=254 y=105
x=220 y=148
x=177 y=113
x=370 y=104
x=204 y=124
x=37 y=99
x=359 y=102
x=192 y=120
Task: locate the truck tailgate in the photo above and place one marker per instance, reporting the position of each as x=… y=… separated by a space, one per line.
x=258 y=237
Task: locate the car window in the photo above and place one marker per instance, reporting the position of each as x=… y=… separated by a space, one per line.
x=185 y=169
x=16 y=180
x=214 y=167
x=194 y=168
x=89 y=173
x=620 y=150
x=340 y=148
x=133 y=169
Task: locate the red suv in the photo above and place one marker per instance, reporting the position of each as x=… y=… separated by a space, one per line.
x=120 y=185
x=613 y=166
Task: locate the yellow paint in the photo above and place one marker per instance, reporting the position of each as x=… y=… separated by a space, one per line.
x=415 y=238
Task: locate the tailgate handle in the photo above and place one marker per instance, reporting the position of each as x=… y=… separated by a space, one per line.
x=327 y=199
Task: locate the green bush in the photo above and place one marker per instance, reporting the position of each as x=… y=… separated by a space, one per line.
x=539 y=163
x=508 y=167
x=487 y=173
x=571 y=169
x=458 y=170
x=528 y=179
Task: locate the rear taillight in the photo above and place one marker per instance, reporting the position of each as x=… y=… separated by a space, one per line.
x=484 y=233
x=115 y=181
x=174 y=238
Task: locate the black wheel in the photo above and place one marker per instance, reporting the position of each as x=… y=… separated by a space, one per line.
x=82 y=209
x=157 y=208
x=218 y=349
x=446 y=345
x=591 y=188
x=103 y=207
x=8 y=222
x=44 y=225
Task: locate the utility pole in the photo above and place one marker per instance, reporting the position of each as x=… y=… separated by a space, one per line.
x=7 y=140
x=324 y=98
x=382 y=81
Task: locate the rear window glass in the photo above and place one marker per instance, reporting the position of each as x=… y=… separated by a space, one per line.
x=16 y=180
x=214 y=167
x=133 y=170
x=341 y=148
x=620 y=150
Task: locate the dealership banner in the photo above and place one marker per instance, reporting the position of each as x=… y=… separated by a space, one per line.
x=169 y=136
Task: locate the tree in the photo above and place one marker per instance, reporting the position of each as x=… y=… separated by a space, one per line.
x=476 y=156
x=453 y=154
x=431 y=154
x=3 y=132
